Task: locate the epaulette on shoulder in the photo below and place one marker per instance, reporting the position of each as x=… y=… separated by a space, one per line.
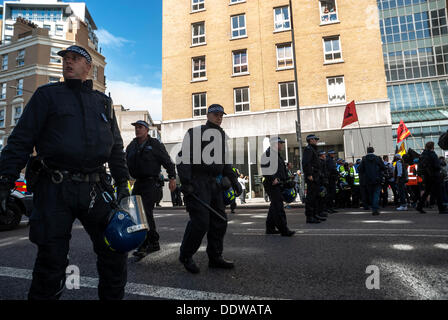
x=102 y=94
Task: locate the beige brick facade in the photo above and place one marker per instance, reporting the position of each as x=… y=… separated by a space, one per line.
x=363 y=67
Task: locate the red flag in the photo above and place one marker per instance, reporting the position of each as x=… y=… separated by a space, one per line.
x=350 y=114
x=402 y=132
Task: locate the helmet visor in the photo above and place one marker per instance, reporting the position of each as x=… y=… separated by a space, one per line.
x=134 y=206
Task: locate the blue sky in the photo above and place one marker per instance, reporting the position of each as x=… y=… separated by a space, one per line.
x=130 y=35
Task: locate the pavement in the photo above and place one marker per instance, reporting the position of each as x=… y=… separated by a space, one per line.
x=352 y=256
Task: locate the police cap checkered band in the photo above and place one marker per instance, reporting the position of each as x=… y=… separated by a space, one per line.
x=312 y=136
x=141 y=123
x=78 y=50
x=276 y=140
x=216 y=108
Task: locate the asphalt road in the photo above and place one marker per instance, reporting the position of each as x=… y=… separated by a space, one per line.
x=404 y=253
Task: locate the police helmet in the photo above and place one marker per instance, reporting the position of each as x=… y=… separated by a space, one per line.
x=125 y=231
x=289 y=195
x=229 y=196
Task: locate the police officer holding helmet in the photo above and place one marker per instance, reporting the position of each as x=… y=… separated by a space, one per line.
x=145 y=156
x=75 y=132
x=205 y=176
x=312 y=170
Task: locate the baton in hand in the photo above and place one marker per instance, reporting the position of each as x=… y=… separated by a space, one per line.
x=208 y=207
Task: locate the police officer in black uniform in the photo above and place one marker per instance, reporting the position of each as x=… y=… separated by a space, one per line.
x=333 y=176
x=75 y=132
x=324 y=182
x=204 y=175
x=275 y=180
x=312 y=170
x=145 y=156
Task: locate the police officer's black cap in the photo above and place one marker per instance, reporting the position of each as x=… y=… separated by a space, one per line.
x=79 y=50
x=216 y=108
x=321 y=153
x=331 y=152
x=142 y=123
x=312 y=136
x=276 y=140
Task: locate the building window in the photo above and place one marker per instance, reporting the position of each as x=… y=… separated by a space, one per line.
x=53 y=79
x=438 y=22
x=17 y=113
x=287 y=94
x=442 y=59
x=332 y=49
x=336 y=90
x=8 y=39
x=59 y=30
x=5 y=62
x=242 y=99
x=21 y=58
x=282 y=19
x=9 y=27
x=47 y=26
x=240 y=64
x=198 y=33
x=197 y=5
x=19 y=87
x=95 y=73
x=284 y=56
x=236 y=1
x=238 y=26
x=54 y=57
x=328 y=11
x=199 y=104
x=199 y=70
x=2 y=117
x=3 y=91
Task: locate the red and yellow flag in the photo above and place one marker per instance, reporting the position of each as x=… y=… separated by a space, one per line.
x=402 y=132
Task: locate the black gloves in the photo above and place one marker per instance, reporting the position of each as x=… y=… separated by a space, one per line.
x=122 y=190
x=6 y=185
x=187 y=189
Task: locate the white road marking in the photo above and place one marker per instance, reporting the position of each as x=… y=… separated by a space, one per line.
x=353 y=235
x=443 y=246
x=144 y=289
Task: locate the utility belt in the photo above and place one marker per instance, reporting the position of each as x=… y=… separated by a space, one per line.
x=36 y=168
x=148 y=179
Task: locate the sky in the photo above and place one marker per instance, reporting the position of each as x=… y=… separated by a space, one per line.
x=130 y=37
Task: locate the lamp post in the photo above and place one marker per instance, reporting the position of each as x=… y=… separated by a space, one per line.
x=298 y=122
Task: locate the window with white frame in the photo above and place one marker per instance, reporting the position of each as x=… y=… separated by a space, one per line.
x=21 y=58
x=199 y=104
x=19 y=87
x=3 y=91
x=53 y=79
x=336 y=89
x=198 y=33
x=332 y=49
x=240 y=64
x=236 y=1
x=198 y=66
x=54 y=57
x=9 y=27
x=197 y=5
x=2 y=117
x=95 y=73
x=242 y=99
x=5 y=62
x=17 y=111
x=282 y=20
x=287 y=92
x=284 y=56
x=238 y=26
x=8 y=39
x=47 y=26
x=59 y=30
x=328 y=11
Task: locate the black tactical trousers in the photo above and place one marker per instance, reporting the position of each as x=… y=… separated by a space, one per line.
x=312 y=198
x=203 y=221
x=433 y=187
x=276 y=214
x=149 y=191
x=331 y=196
x=55 y=209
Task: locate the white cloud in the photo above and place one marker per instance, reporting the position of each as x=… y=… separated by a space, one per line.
x=109 y=40
x=135 y=97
